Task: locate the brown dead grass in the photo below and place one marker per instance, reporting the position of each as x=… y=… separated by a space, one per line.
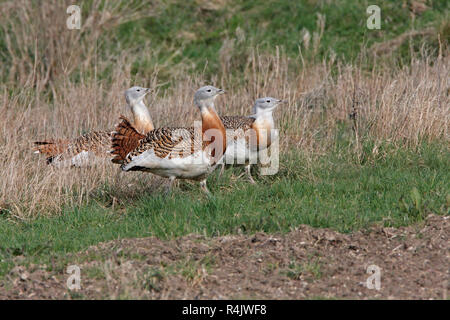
x=401 y=105
x=42 y=50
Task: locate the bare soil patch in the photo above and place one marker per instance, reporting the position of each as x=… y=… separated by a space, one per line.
x=305 y=263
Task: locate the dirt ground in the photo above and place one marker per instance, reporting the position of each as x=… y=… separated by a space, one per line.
x=305 y=263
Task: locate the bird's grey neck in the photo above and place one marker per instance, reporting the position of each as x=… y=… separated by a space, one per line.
x=141 y=110
x=263 y=114
x=205 y=105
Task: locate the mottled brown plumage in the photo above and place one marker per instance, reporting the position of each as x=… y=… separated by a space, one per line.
x=237 y=122
x=173 y=142
x=97 y=143
x=51 y=148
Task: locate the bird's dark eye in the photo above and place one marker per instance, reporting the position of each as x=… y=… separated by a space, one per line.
x=138 y=90
x=268 y=101
x=209 y=90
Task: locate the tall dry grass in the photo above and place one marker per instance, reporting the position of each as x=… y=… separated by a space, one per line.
x=41 y=50
x=400 y=105
x=406 y=106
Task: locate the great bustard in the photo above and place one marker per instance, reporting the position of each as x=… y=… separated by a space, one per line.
x=177 y=152
x=247 y=135
x=94 y=145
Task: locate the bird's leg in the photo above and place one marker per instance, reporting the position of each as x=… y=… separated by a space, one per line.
x=239 y=176
x=169 y=187
x=249 y=173
x=222 y=169
x=204 y=187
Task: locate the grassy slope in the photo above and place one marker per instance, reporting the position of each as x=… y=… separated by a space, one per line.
x=186 y=34
x=398 y=188
x=183 y=33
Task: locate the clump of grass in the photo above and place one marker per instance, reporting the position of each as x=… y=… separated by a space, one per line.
x=194 y=271
x=297 y=271
x=152 y=279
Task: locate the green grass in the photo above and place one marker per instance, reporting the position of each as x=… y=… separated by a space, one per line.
x=397 y=187
x=310 y=268
x=183 y=33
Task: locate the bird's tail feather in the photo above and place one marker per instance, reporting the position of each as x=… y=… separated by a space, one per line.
x=124 y=140
x=51 y=148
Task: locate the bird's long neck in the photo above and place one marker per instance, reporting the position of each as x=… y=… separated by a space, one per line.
x=263 y=126
x=142 y=120
x=265 y=118
x=212 y=128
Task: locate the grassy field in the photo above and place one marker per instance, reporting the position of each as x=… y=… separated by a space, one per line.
x=396 y=188
x=390 y=165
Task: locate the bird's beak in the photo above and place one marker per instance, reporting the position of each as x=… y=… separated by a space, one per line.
x=277 y=104
x=221 y=91
x=146 y=90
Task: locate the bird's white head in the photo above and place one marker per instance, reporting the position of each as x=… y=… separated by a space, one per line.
x=135 y=95
x=265 y=105
x=205 y=96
